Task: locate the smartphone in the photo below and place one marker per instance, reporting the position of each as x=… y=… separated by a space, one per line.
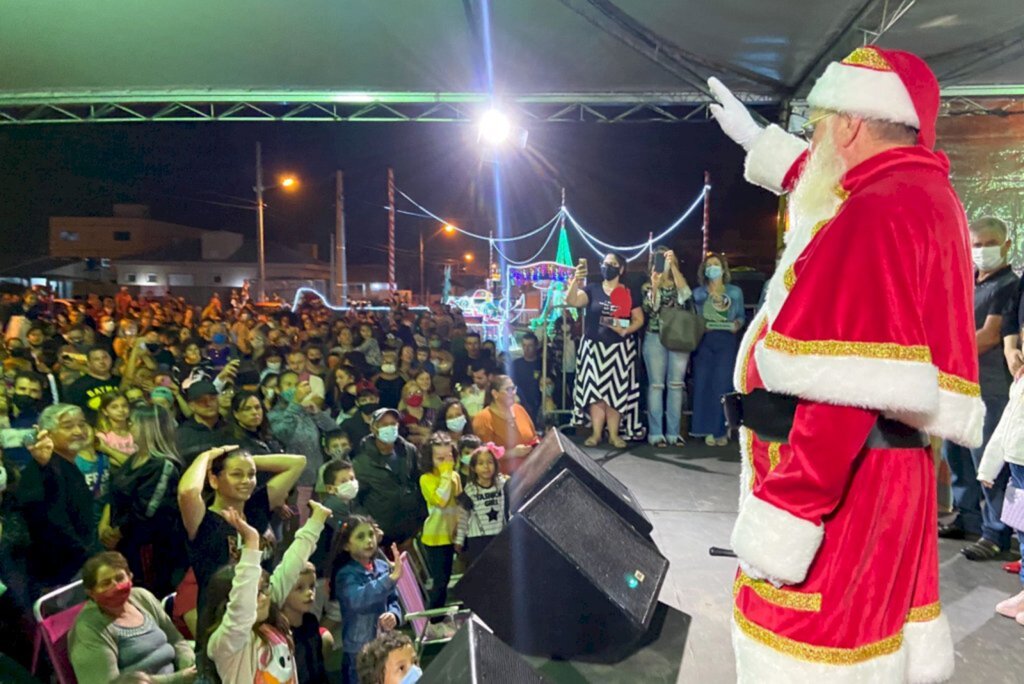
x=659 y=262
x=14 y=438
x=583 y=263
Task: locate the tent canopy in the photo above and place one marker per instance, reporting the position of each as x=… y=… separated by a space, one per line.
x=547 y=52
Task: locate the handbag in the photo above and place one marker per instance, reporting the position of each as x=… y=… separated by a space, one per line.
x=1013 y=507
x=681 y=327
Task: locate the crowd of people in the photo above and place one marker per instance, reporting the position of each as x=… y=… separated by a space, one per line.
x=152 y=446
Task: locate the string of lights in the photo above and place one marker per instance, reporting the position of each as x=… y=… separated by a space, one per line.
x=475 y=235
x=515 y=262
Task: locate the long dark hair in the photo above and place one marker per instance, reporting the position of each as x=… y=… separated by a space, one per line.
x=211 y=614
x=239 y=432
x=441 y=421
x=339 y=557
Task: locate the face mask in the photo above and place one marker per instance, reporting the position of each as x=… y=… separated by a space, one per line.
x=288 y=394
x=388 y=434
x=24 y=403
x=367 y=409
x=112 y=600
x=466 y=458
x=415 y=401
x=435 y=344
x=456 y=424
x=412 y=676
x=269 y=392
x=108 y=326
x=444 y=368
x=347 y=491
x=388 y=368
x=446 y=467
x=152 y=347
x=548 y=390
x=220 y=338
x=274 y=367
x=713 y=272
x=987 y=258
x=609 y=272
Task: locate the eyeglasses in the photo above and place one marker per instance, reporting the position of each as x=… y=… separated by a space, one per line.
x=807 y=130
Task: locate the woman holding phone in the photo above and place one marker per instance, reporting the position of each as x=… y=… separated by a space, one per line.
x=607 y=390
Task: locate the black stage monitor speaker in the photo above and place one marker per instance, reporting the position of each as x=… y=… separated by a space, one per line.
x=556 y=453
x=475 y=655
x=567 y=577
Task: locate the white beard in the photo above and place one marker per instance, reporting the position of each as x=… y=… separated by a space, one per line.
x=813 y=200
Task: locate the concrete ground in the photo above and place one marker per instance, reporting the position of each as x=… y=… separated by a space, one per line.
x=691 y=497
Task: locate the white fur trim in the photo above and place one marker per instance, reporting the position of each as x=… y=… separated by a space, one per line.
x=770 y=158
x=958 y=418
x=757 y=663
x=749 y=338
x=929 y=647
x=864 y=92
x=775 y=542
x=881 y=384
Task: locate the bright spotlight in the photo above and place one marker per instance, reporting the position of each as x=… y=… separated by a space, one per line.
x=495 y=127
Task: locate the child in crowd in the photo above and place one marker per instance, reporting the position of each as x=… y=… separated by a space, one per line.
x=388 y=382
x=339 y=489
x=248 y=638
x=312 y=642
x=389 y=659
x=364 y=585
x=482 y=506
x=467 y=445
x=441 y=485
x=113 y=437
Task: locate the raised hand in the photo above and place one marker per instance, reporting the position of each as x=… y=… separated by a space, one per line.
x=732 y=115
x=42 y=450
x=387 y=622
x=318 y=511
x=250 y=537
x=398 y=564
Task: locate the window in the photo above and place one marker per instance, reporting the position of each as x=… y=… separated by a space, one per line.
x=151 y=278
x=131 y=277
x=69 y=235
x=216 y=279
x=180 y=280
x=122 y=235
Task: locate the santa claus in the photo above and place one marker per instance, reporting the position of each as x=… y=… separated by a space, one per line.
x=864 y=348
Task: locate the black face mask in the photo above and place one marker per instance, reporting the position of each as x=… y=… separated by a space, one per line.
x=347 y=401
x=368 y=409
x=609 y=272
x=26 y=404
x=152 y=347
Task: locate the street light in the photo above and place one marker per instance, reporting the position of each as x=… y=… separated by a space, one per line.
x=447 y=229
x=259 y=189
x=468 y=256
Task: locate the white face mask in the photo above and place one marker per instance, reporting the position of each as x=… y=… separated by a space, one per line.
x=347 y=491
x=987 y=258
x=274 y=367
x=388 y=368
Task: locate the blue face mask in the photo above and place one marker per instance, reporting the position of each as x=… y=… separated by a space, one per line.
x=412 y=676
x=220 y=338
x=288 y=394
x=388 y=434
x=713 y=272
x=456 y=424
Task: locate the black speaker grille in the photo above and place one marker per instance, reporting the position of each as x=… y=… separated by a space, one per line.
x=626 y=567
x=476 y=655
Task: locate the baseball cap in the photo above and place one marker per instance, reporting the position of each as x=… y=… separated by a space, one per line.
x=380 y=413
x=199 y=389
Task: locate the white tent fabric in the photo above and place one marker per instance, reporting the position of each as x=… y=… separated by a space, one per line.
x=652 y=48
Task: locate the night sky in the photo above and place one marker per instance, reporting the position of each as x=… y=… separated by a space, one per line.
x=621 y=181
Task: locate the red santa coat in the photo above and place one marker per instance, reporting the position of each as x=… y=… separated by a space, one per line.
x=870 y=313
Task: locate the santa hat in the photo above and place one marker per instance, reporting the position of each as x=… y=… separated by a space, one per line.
x=890 y=85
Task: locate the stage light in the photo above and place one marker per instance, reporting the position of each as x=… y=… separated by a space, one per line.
x=495 y=127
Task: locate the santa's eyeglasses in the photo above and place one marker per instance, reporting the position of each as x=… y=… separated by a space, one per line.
x=807 y=130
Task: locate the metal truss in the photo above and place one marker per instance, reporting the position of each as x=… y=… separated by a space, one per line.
x=178 y=106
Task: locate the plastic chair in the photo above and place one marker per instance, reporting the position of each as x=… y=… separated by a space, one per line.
x=54 y=621
x=418 y=617
x=167 y=603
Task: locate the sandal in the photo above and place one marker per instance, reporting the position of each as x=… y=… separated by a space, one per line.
x=617 y=442
x=710 y=440
x=679 y=442
x=659 y=444
x=592 y=441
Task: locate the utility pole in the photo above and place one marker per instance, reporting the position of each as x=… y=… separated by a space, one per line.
x=340 y=256
x=261 y=258
x=391 y=231
x=423 y=289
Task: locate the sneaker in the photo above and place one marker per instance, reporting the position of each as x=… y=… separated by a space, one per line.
x=710 y=440
x=1013 y=567
x=1011 y=607
x=981 y=550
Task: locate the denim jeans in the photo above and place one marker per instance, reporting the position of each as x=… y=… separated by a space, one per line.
x=664 y=367
x=968 y=494
x=713 y=361
x=1017 y=478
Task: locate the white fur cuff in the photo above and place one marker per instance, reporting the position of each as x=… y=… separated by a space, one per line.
x=929 y=647
x=770 y=158
x=958 y=418
x=777 y=543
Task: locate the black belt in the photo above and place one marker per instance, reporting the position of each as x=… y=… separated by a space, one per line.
x=770 y=417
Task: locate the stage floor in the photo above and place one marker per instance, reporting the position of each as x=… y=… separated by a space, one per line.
x=691 y=496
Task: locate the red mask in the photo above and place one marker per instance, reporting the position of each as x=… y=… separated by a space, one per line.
x=113 y=599
x=416 y=400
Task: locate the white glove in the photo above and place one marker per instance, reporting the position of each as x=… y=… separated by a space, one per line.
x=732 y=115
x=753 y=573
